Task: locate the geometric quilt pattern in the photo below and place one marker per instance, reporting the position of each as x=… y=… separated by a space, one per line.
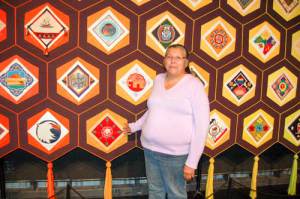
x=18 y=79
x=296 y=45
x=219 y=129
x=134 y=82
x=119 y=48
x=218 y=38
x=104 y=131
x=108 y=30
x=292 y=128
x=258 y=128
x=287 y=9
x=201 y=74
x=245 y=7
x=163 y=30
x=282 y=86
x=264 y=42
x=46 y=27
x=196 y=4
x=3 y=28
x=48 y=131
x=77 y=81
x=239 y=85
x=4 y=131
x=140 y=2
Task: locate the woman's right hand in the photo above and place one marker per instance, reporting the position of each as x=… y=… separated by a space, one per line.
x=126 y=129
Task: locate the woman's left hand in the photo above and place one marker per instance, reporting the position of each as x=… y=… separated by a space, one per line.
x=188 y=173
x=126 y=129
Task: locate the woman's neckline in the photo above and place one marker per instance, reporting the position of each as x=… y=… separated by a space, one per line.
x=175 y=84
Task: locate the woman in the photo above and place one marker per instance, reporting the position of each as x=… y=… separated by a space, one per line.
x=174 y=128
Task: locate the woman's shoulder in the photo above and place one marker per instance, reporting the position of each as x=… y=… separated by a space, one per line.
x=194 y=83
x=194 y=80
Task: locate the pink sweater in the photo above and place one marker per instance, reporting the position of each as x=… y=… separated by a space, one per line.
x=177 y=119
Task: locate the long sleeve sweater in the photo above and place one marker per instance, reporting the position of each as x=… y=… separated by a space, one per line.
x=177 y=119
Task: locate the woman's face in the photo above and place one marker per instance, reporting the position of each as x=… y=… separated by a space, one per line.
x=175 y=61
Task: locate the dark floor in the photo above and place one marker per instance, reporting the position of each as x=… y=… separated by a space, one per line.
x=267 y=192
x=271 y=192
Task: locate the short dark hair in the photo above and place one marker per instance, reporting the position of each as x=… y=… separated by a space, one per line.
x=179 y=46
x=187 y=69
